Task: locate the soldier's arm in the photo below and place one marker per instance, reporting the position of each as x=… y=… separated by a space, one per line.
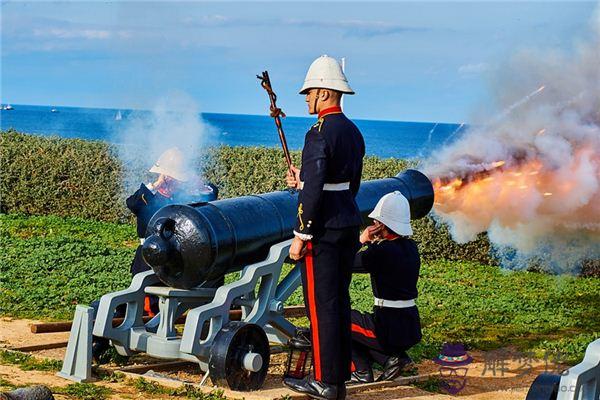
x=364 y=260
x=355 y=183
x=314 y=167
x=140 y=199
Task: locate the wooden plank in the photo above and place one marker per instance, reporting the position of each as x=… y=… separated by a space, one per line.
x=65 y=326
x=401 y=381
x=50 y=327
x=234 y=315
x=294 y=311
x=42 y=346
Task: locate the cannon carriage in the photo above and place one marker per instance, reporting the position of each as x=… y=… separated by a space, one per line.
x=190 y=247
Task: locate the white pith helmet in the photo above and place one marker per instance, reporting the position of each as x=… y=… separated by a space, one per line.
x=171 y=163
x=393 y=211
x=326 y=73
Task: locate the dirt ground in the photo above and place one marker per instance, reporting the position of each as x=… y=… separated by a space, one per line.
x=502 y=374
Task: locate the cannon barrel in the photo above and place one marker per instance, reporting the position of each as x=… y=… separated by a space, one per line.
x=188 y=245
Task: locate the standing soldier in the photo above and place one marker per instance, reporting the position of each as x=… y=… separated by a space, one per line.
x=327 y=227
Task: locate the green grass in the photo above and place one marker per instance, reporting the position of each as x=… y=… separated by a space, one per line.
x=27 y=362
x=432 y=384
x=84 y=391
x=6 y=385
x=49 y=264
x=188 y=391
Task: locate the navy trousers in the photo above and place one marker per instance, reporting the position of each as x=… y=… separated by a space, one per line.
x=326 y=273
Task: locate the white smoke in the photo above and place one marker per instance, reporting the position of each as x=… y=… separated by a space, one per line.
x=531 y=176
x=174 y=121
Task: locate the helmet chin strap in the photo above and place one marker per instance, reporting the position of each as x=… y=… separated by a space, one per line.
x=314 y=105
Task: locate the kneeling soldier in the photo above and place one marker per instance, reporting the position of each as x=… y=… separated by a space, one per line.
x=392 y=259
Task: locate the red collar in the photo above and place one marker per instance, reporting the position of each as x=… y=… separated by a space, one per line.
x=330 y=110
x=391 y=236
x=165 y=193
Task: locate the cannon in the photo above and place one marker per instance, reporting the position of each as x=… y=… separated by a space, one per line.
x=190 y=247
x=580 y=382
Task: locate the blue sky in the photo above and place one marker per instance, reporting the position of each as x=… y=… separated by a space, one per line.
x=425 y=61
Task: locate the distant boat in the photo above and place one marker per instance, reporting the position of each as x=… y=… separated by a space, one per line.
x=54 y=110
x=8 y=107
x=118 y=117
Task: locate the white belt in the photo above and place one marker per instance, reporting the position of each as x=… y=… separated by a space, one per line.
x=395 y=303
x=142 y=240
x=331 y=187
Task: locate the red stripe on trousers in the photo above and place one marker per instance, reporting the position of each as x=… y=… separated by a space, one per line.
x=365 y=332
x=314 y=320
x=148 y=307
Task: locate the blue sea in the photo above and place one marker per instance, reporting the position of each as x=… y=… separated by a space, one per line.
x=383 y=138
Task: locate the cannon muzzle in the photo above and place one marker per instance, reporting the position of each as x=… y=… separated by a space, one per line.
x=187 y=245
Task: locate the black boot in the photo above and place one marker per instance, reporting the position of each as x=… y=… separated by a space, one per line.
x=301 y=339
x=394 y=366
x=315 y=389
x=100 y=348
x=341 y=392
x=365 y=376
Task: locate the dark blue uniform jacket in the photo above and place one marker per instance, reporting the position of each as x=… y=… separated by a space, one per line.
x=394 y=267
x=333 y=152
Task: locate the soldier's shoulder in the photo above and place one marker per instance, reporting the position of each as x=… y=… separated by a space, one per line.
x=317 y=126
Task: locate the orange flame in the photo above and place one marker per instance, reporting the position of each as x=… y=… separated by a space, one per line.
x=516 y=192
x=498 y=184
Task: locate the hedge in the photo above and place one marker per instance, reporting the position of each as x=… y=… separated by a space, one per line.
x=80 y=178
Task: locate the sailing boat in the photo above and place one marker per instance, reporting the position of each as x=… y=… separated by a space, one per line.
x=118 y=117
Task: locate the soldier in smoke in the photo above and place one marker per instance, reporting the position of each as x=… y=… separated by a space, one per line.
x=174 y=185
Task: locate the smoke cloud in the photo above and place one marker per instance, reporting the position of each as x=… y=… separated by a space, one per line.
x=530 y=175
x=174 y=121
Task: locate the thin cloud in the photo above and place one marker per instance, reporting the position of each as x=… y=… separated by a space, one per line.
x=361 y=28
x=211 y=21
x=473 y=69
x=61 y=33
x=351 y=27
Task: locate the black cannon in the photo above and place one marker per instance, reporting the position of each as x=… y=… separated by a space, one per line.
x=188 y=245
x=190 y=248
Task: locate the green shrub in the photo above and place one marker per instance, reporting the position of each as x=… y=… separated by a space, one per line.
x=66 y=177
x=79 y=178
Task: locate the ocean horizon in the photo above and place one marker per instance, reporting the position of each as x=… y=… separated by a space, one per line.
x=398 y=139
